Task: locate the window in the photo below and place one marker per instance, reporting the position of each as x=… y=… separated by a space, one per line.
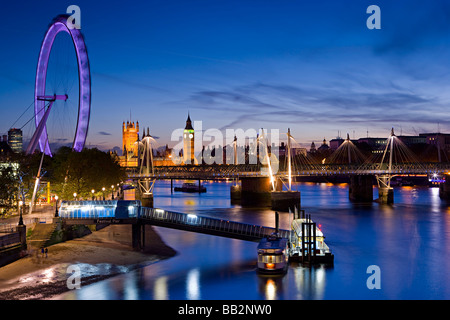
x=270 y=259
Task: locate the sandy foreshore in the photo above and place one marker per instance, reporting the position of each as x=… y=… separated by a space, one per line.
x=99 y=255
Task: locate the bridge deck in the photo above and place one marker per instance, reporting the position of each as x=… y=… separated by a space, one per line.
x=204 y=172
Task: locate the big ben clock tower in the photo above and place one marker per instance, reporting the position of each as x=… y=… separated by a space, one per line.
x=188 y=143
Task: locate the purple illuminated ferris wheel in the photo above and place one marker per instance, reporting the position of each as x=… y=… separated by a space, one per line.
x=77 y=90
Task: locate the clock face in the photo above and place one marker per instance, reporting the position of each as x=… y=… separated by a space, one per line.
x=191 y=136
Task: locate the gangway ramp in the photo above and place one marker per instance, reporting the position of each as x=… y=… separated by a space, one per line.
x=207 y=225
x=131 y=212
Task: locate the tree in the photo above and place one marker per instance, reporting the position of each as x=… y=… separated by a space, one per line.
x=8 y=183
x=81 y=172
x=18 y=176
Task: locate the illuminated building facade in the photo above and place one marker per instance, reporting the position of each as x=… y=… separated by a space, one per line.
x=130 y=137
x=188 y=142
x=15 y=140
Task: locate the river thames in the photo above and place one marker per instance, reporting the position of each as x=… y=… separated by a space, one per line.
x=409 y=242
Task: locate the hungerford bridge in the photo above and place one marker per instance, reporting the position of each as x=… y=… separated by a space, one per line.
x=259 y=182
x=231 y=171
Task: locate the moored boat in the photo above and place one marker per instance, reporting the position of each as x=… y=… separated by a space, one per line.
x=190 y=187
x=273 y=255
x=308 y=243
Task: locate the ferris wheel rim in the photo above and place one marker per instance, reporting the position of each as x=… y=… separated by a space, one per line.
x=59 y=24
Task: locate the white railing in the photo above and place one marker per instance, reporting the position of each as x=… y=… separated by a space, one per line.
x=209 y=224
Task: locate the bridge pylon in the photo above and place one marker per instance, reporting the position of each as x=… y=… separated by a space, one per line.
x=361 y=188
x=235 y=189
x=444 y=189
x=145 y=163
x=385 y=191
x=289 y=199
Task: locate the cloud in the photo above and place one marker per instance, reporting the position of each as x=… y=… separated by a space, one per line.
x=103 y=133
x=232 y=100
x=279 y=103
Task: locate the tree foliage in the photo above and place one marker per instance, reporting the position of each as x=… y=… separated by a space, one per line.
x=17 y=177
x=81 y=172
x=28 y=171
x=8 y=189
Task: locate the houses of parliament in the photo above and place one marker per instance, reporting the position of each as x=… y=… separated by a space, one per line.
x=130 y=144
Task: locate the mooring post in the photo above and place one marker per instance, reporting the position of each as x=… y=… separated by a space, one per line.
x=314 y=239
x=22 y=230
x=309 y=237
x=303 y=241
x=136 y=236
x=277 y=222
x=171 y=185
x=143 y=236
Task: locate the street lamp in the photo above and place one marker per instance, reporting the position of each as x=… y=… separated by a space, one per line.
x=75 y=196
x=20 y=213
x=56 y=206
x=112 y=192
x=92 y=193
x=103 y=189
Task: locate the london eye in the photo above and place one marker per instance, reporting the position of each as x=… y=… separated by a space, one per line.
x=62 y=97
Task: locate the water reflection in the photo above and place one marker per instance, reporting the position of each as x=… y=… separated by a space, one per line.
x=193 y=284
x=435 y=200
x=131 y=291
x=270 y=287
x=309 y=282
x=160 y=289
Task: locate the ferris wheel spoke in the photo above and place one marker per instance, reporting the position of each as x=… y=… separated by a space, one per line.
x=53 y=97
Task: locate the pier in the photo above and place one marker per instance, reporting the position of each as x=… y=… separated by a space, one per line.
x=130 y=212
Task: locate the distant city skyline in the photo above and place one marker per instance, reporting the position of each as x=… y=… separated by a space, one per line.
x=312 y=67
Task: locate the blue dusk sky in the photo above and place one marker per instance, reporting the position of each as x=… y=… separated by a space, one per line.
x=311 y=66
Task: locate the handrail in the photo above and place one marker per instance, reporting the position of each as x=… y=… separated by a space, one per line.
x=184 y=221
x=233 y=171
x=207 y=223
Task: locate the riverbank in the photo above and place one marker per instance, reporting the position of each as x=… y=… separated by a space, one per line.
x=99 y=255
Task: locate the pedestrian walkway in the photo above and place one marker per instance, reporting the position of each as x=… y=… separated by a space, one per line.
x=43 y=214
